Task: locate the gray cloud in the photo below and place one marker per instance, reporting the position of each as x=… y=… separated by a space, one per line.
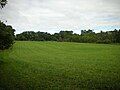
x=55 y=15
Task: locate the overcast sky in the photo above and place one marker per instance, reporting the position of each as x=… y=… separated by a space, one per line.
x=55 y=15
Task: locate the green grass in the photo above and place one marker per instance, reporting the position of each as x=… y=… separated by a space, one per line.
x=60 y=66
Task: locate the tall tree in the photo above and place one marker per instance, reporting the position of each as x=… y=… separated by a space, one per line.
x=6 y=36
x=6 y=32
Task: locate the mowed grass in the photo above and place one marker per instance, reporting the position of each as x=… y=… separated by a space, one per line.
x=60 y=66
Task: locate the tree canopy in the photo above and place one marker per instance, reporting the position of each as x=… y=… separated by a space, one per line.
x=6 y=36
x=3 y=3
x=87 y=36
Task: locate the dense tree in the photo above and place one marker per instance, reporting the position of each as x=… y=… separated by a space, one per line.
x=6 y=36
x=83 y=32
x=87 y=36
x=32 y=36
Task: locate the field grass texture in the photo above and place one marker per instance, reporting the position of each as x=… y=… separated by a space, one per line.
x=60 y=66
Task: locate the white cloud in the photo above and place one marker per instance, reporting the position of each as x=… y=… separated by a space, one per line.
x=55 y=15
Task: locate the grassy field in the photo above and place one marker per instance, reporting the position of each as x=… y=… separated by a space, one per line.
x=60 y=66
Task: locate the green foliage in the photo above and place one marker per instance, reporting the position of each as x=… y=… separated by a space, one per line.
x=6 y=36
x=68 y=36
x=60 y=66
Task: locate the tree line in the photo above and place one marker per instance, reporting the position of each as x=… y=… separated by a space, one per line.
x=86 y=36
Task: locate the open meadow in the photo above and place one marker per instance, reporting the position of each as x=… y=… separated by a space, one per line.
x=33 y=65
